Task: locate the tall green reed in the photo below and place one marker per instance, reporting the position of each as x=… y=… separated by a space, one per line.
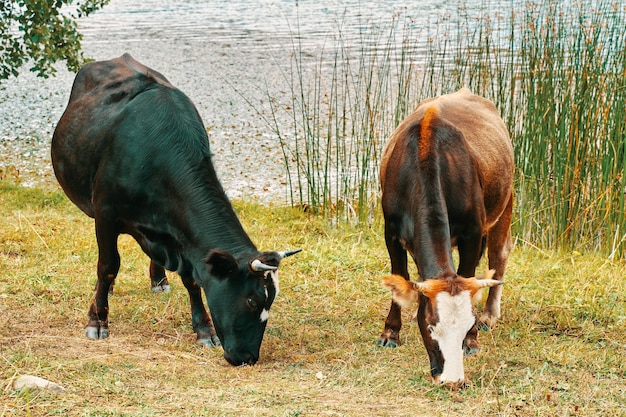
x=570 y=139
x=343 y=107
x=557 y=73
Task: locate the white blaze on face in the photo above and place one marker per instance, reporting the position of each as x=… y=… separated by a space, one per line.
x=456 y=318
x=274 y=276
x=265 y=314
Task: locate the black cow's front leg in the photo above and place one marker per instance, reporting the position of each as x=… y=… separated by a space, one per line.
x=158 y=279
x=390 y=337
x=108 y=267
x=200 y=319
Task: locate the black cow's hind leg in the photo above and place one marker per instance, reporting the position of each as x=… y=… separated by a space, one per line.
x=200 y=319
x=108 y=267
x=158 y=280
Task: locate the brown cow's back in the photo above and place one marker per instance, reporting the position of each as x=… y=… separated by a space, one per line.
x=486 y=136
x=488 y=140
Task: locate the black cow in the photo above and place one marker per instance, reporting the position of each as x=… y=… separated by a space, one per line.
x=131 y=151
x=447 y=180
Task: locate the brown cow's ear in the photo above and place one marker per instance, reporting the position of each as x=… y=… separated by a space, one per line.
x=221 y=264
x=403 y=292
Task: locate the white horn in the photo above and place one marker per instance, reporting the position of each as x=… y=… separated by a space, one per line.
x=483 y=283
x=487 y=281
x=288 y=253
x=259 y=266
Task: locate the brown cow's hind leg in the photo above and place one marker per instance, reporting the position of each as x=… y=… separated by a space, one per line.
x=499 y=246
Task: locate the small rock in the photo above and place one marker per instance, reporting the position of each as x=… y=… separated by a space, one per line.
x=34 y=382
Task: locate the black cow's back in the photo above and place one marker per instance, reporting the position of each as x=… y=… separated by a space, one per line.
x=122 y=130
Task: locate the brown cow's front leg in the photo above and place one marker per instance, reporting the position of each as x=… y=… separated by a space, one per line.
x=108 y=267
x=432 y=347
x=390 y=337
x=470 y=251
x=158 y=280
x=470 y=343
x=200 y=319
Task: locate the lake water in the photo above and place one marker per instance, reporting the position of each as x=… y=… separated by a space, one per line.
x=227 y=56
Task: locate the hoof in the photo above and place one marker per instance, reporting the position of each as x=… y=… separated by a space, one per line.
x=383 y=342
x=470 y=351
x=487 y=321
x=211 y=342
x=389 y=338
x=161 y=288
x=483 y=327
x=93 y=332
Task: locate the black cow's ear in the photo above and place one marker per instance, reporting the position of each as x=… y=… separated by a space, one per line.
x=220 y=263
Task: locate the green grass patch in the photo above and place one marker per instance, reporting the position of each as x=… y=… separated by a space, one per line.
x=559 y=350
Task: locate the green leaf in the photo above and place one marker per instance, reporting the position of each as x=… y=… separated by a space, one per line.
x=47 y=32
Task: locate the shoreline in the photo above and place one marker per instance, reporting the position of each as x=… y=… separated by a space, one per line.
x=247 y=155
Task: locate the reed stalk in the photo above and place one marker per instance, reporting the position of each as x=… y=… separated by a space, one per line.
x=556 y=72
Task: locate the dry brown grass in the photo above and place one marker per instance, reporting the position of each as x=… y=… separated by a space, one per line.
x=559 y=351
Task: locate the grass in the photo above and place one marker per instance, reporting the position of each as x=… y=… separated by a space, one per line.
x=559 y=350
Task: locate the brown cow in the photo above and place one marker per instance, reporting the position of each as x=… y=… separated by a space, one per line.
x=447 y=180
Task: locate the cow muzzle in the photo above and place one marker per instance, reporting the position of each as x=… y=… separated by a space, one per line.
x=240 y=358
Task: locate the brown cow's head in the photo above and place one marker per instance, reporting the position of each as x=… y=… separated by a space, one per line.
x=448 y=315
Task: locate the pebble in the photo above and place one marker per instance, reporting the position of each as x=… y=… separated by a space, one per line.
x=36 y=383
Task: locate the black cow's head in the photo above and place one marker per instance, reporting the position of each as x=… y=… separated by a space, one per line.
x=240 y=294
